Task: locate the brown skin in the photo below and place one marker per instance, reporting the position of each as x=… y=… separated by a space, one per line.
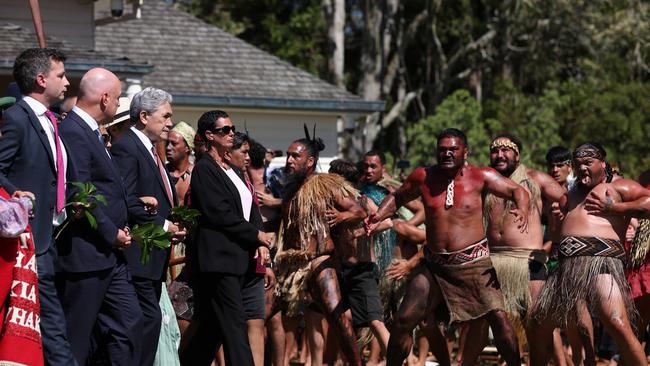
x=597 y=208
x=504 y=232
x=559 y=171
x=373 y=169
x=178 y=161
x=583 y=329
x=448 y=230
x=324 y=285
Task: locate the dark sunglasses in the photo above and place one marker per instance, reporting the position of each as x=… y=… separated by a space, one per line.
x=224 y=130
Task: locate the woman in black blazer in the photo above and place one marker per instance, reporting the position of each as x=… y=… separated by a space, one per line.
x=228 y=229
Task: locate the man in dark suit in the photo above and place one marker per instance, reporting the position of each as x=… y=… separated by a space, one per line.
x=94 y=280
x=33 y=158
x=145 y=174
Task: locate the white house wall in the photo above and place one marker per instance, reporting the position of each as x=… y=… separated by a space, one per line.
x=274 y=129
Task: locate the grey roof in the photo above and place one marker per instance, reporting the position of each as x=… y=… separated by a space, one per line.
x=200 y=64
x=14 y=39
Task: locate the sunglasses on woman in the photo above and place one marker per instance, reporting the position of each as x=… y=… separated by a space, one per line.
x=224 y=130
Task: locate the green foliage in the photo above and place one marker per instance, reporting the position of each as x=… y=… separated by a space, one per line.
x=460 y=110
x=555 y=73
x=186 y=216
x=149 y=236
x=87 y=197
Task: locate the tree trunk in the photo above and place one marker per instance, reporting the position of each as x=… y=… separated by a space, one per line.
x=335 y=14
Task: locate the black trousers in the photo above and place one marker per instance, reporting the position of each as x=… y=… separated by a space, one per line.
x=220 y=315
x=56 y=348
x=104 y=299
x=148 y=292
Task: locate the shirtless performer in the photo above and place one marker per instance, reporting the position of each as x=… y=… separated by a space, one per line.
x=460 y=273
x=518 y=258
x=304 y=262
x=358 y=269
x=596 y=215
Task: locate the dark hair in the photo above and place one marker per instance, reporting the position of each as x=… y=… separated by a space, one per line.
x=510 y=137
x=453 y=132
x=314 y=146
x=31 y=62
x=379 y=154
x=208 y=120
x=345 y=169
x=557 y=154
x=257 y=154
x=239 y=139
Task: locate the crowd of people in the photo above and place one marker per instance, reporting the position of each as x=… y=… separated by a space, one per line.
x=350 y=267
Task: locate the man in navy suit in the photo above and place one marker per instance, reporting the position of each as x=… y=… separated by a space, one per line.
x=94 y=279
x=145 y=174
x=34 y=158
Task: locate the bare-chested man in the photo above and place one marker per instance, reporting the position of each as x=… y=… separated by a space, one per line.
x=358 y=270
x=460 y=273
x=596 y=215
x=518 y=258
x=304 y=260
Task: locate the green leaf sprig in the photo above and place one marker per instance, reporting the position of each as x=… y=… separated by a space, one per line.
x=149 y=236
x=87 y=197
x=187 y=217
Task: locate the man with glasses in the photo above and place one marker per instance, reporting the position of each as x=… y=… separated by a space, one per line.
x=145 y=174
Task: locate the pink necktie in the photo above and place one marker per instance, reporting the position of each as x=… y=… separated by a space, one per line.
x=163 y=176
x=60 y=167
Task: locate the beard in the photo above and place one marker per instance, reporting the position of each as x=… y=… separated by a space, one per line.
x=292 y=183
x=506 y=171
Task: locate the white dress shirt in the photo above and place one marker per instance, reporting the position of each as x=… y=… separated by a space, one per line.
x=39 y=110
x=148 y=145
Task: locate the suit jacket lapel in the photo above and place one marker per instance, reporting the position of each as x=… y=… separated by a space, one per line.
x=40 y=132
x=234 y=192
x=146 y=154
x=97 y=145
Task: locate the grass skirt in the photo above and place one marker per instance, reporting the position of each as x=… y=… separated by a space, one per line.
x=576 y=279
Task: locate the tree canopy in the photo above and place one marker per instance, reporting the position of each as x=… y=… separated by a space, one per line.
x=552 y=72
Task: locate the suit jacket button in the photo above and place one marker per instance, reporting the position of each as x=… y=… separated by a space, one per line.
x=53 y=184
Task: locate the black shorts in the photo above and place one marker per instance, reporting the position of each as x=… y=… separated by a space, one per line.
x=360 y=289
x=538 y=270
x=253 y=296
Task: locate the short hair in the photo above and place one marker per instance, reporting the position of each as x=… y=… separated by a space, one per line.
x=558 y=154
x=377 y=153
x=239 y=139
x=346 y=169
x=31 y=62
x=453 y=132
x=511 y=137
x=208 y=120
x=257 y=154
x=147 y=100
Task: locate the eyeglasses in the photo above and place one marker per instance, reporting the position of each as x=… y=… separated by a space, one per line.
x=224 y=130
